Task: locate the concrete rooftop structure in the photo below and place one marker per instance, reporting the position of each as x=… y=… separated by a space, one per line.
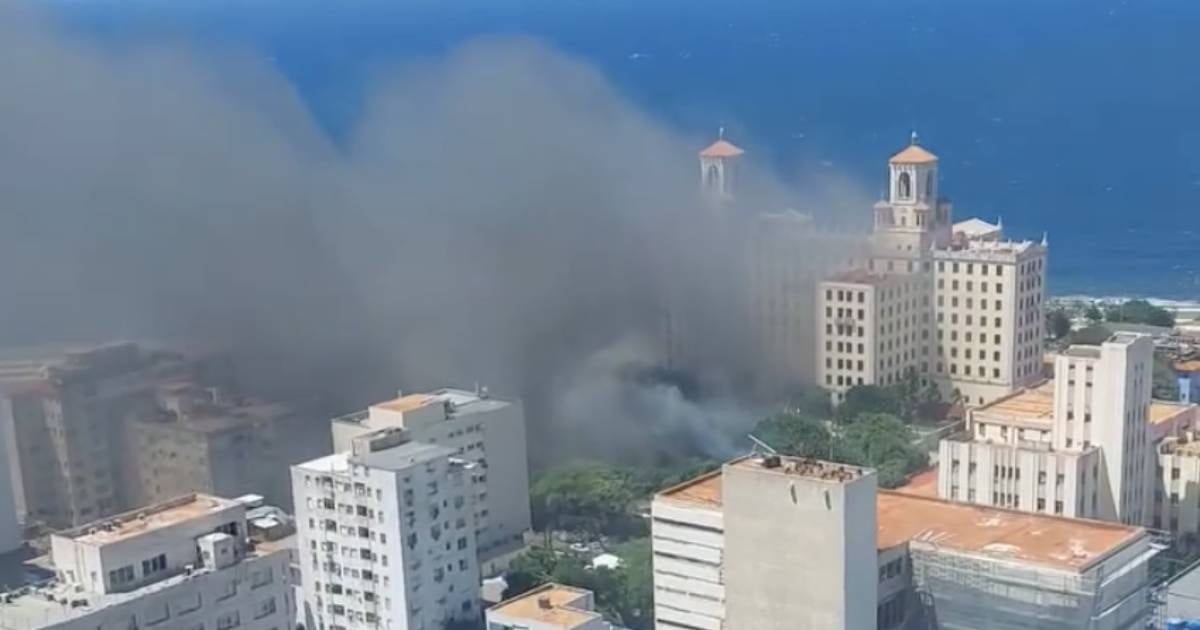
x=1069 y=544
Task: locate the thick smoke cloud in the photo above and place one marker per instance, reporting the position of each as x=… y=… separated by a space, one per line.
x=500 y=215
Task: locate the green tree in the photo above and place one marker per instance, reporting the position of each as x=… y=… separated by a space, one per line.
x=535 y=566
x=1093 y=313
x=636 y=602
x=1093 y=335
x=1165 y=383
x=797 y=435
x=624 y=595
x=1058 y=323
x=582 y=496
x=862 y=399
x=1140 y=312
x=885 y=443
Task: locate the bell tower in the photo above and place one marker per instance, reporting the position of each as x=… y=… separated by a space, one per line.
x=911 y=219
x=718 y=168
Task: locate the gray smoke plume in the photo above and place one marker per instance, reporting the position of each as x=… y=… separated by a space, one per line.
x=500 y=215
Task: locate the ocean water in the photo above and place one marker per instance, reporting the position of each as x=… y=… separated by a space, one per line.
x=1077 y=118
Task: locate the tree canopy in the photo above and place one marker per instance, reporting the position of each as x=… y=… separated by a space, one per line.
x=1165 y=384
x=583 y=496
x=907 y=399
x=879 y=441
x=1058 y=323
x=1139 y=312
x=625 y=594
x=1093 y=335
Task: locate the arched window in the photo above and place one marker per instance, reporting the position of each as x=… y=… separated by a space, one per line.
x=712 y=178
x=929 y=185
x=904 y=186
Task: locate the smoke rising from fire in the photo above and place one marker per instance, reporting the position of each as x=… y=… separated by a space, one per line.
x=499 y=215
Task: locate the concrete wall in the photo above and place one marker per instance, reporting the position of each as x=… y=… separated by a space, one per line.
x=800 y=551
x=688 y=546
x=92 y=561
x=240 y=592
x=1031 y=480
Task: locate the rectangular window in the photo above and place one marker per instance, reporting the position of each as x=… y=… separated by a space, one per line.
x=265 y=608
x=228 y=620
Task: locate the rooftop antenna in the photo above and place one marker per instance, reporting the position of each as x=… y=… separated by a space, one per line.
x=761 y=444
x=721 y=132
x=912 y=137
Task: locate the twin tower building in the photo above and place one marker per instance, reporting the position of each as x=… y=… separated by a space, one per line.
x=950 y=305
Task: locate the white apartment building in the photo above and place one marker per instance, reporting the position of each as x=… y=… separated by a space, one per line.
x=829 y=549
x=477 y=427
x=548 y=607
x=1075 y=446
x=385 y=536
x=874 y=327
x=975 y=320
x=184 y=564
x=1176 y=481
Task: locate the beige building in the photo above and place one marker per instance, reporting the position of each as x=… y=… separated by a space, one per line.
x=66 y=410
x=184 y=564
x=988 y=317
x=831 y=549
x=973 y=325
x=548 y=607
x=205 y=440
x=1074 y=446
x=478 y=428
x=873 y=326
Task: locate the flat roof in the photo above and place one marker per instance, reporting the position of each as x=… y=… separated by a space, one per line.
x=1036 y=404
x=922 y=483
x=902 y=516
x=41 y=605
x=1053 y=541
x=402 y=456
x=549 y=603
x=807 y=467
x=405 y=403
x=1031 y=404
x=148 y=519
x=1190 y=365
x=702 y=491
x=464 y=402
x=1165 y=411
x=858 y=276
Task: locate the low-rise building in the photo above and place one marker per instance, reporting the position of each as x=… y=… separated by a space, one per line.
x=1076 y=446
x=385 y=535
x=476 y=427
x=548 y=607
x=185 y=563
x=921 y=563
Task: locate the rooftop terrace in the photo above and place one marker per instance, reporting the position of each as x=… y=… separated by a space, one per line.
x=1036 y=405
x=909 y=515
x=552 y=604
x=148 y=519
